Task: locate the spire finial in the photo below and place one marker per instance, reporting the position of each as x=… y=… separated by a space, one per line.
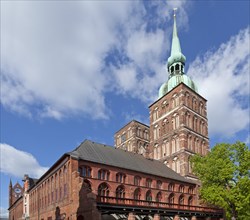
x=176 y=54
x=175 y=9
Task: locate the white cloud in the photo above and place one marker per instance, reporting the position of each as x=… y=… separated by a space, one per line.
x=17 y=163
x=4 y=213
x=134 y=116
x=247 y=140
x=53 y=54
x=223 y=79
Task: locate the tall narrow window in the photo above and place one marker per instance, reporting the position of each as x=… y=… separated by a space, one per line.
x=85 y=171
x=173 y=146
x=171 y=198
x=158 y=197
x=120 y=177
x=158 y=184
x=103 y=190
x=190 y=201
x=155 y=114
x=177 y=144
x=181 y=200
x=103 y=174
x=137 y=194
x=181 y=188
x=123 y=138
x=137 y=180
x=149 y=196
x=171 y=187
x=190 y=190
x=120 y=192
x=167 y=148
x=148 y=183
x=177 y=67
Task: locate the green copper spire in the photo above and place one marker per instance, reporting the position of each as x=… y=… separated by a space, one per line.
x=176 y=55
x=175 y=66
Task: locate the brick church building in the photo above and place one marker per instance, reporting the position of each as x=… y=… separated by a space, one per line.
x=147 y=175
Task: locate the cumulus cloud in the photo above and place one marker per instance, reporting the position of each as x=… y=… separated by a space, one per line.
x=4 y=213
x=17 y=163
x=223 y=79
x=57 y=56
x=134 y=116
x=53 y=54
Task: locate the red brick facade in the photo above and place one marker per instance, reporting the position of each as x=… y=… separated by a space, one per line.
x=178 y=128
x=69 y=189
x=133 y=137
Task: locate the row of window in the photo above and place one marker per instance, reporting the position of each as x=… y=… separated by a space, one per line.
x=104 y=174
x=195 y=124
x=191 y=121
x=44 y=200
x=174 y=102
x=140 y=132
x=196 y=145
x=52 y=190
x=166 y=126
x=167 y=148
x=104 y=190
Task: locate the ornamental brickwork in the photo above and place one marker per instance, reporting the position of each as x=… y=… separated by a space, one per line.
x=133 y=137
x=178 y=129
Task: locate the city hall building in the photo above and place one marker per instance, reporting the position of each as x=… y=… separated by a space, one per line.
x=147 y=175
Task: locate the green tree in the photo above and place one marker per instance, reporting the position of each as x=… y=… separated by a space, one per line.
x=225 y=178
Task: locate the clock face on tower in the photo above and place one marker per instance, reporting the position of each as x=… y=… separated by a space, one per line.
x=17 y=190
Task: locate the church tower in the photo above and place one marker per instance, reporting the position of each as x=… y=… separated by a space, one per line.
x=10 y=193
x=15 y=192
x=178 y=119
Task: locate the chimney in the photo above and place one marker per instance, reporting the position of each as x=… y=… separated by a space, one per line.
x=26 y=183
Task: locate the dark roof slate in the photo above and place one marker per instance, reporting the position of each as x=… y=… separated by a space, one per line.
x=103 y=154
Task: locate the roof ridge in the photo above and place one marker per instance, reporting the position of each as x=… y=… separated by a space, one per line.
x=108 y=155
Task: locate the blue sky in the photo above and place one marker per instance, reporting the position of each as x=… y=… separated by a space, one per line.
x=81 y=70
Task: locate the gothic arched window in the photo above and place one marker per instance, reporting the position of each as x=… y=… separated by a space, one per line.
x=137 y=180
x=148 y=183
x=85 y=171
x=181 y=200
x=171 y=187
x=103 y=189
x=171 y=198
x=137 y=194
x=190 y=200
x=177 y=67
x=120 y=177
x=181 y=188
x=120 y=192
x=103 y=174
x=158 y=197
x=149 y=196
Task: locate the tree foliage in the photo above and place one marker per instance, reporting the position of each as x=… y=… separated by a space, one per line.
x=225 y=177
